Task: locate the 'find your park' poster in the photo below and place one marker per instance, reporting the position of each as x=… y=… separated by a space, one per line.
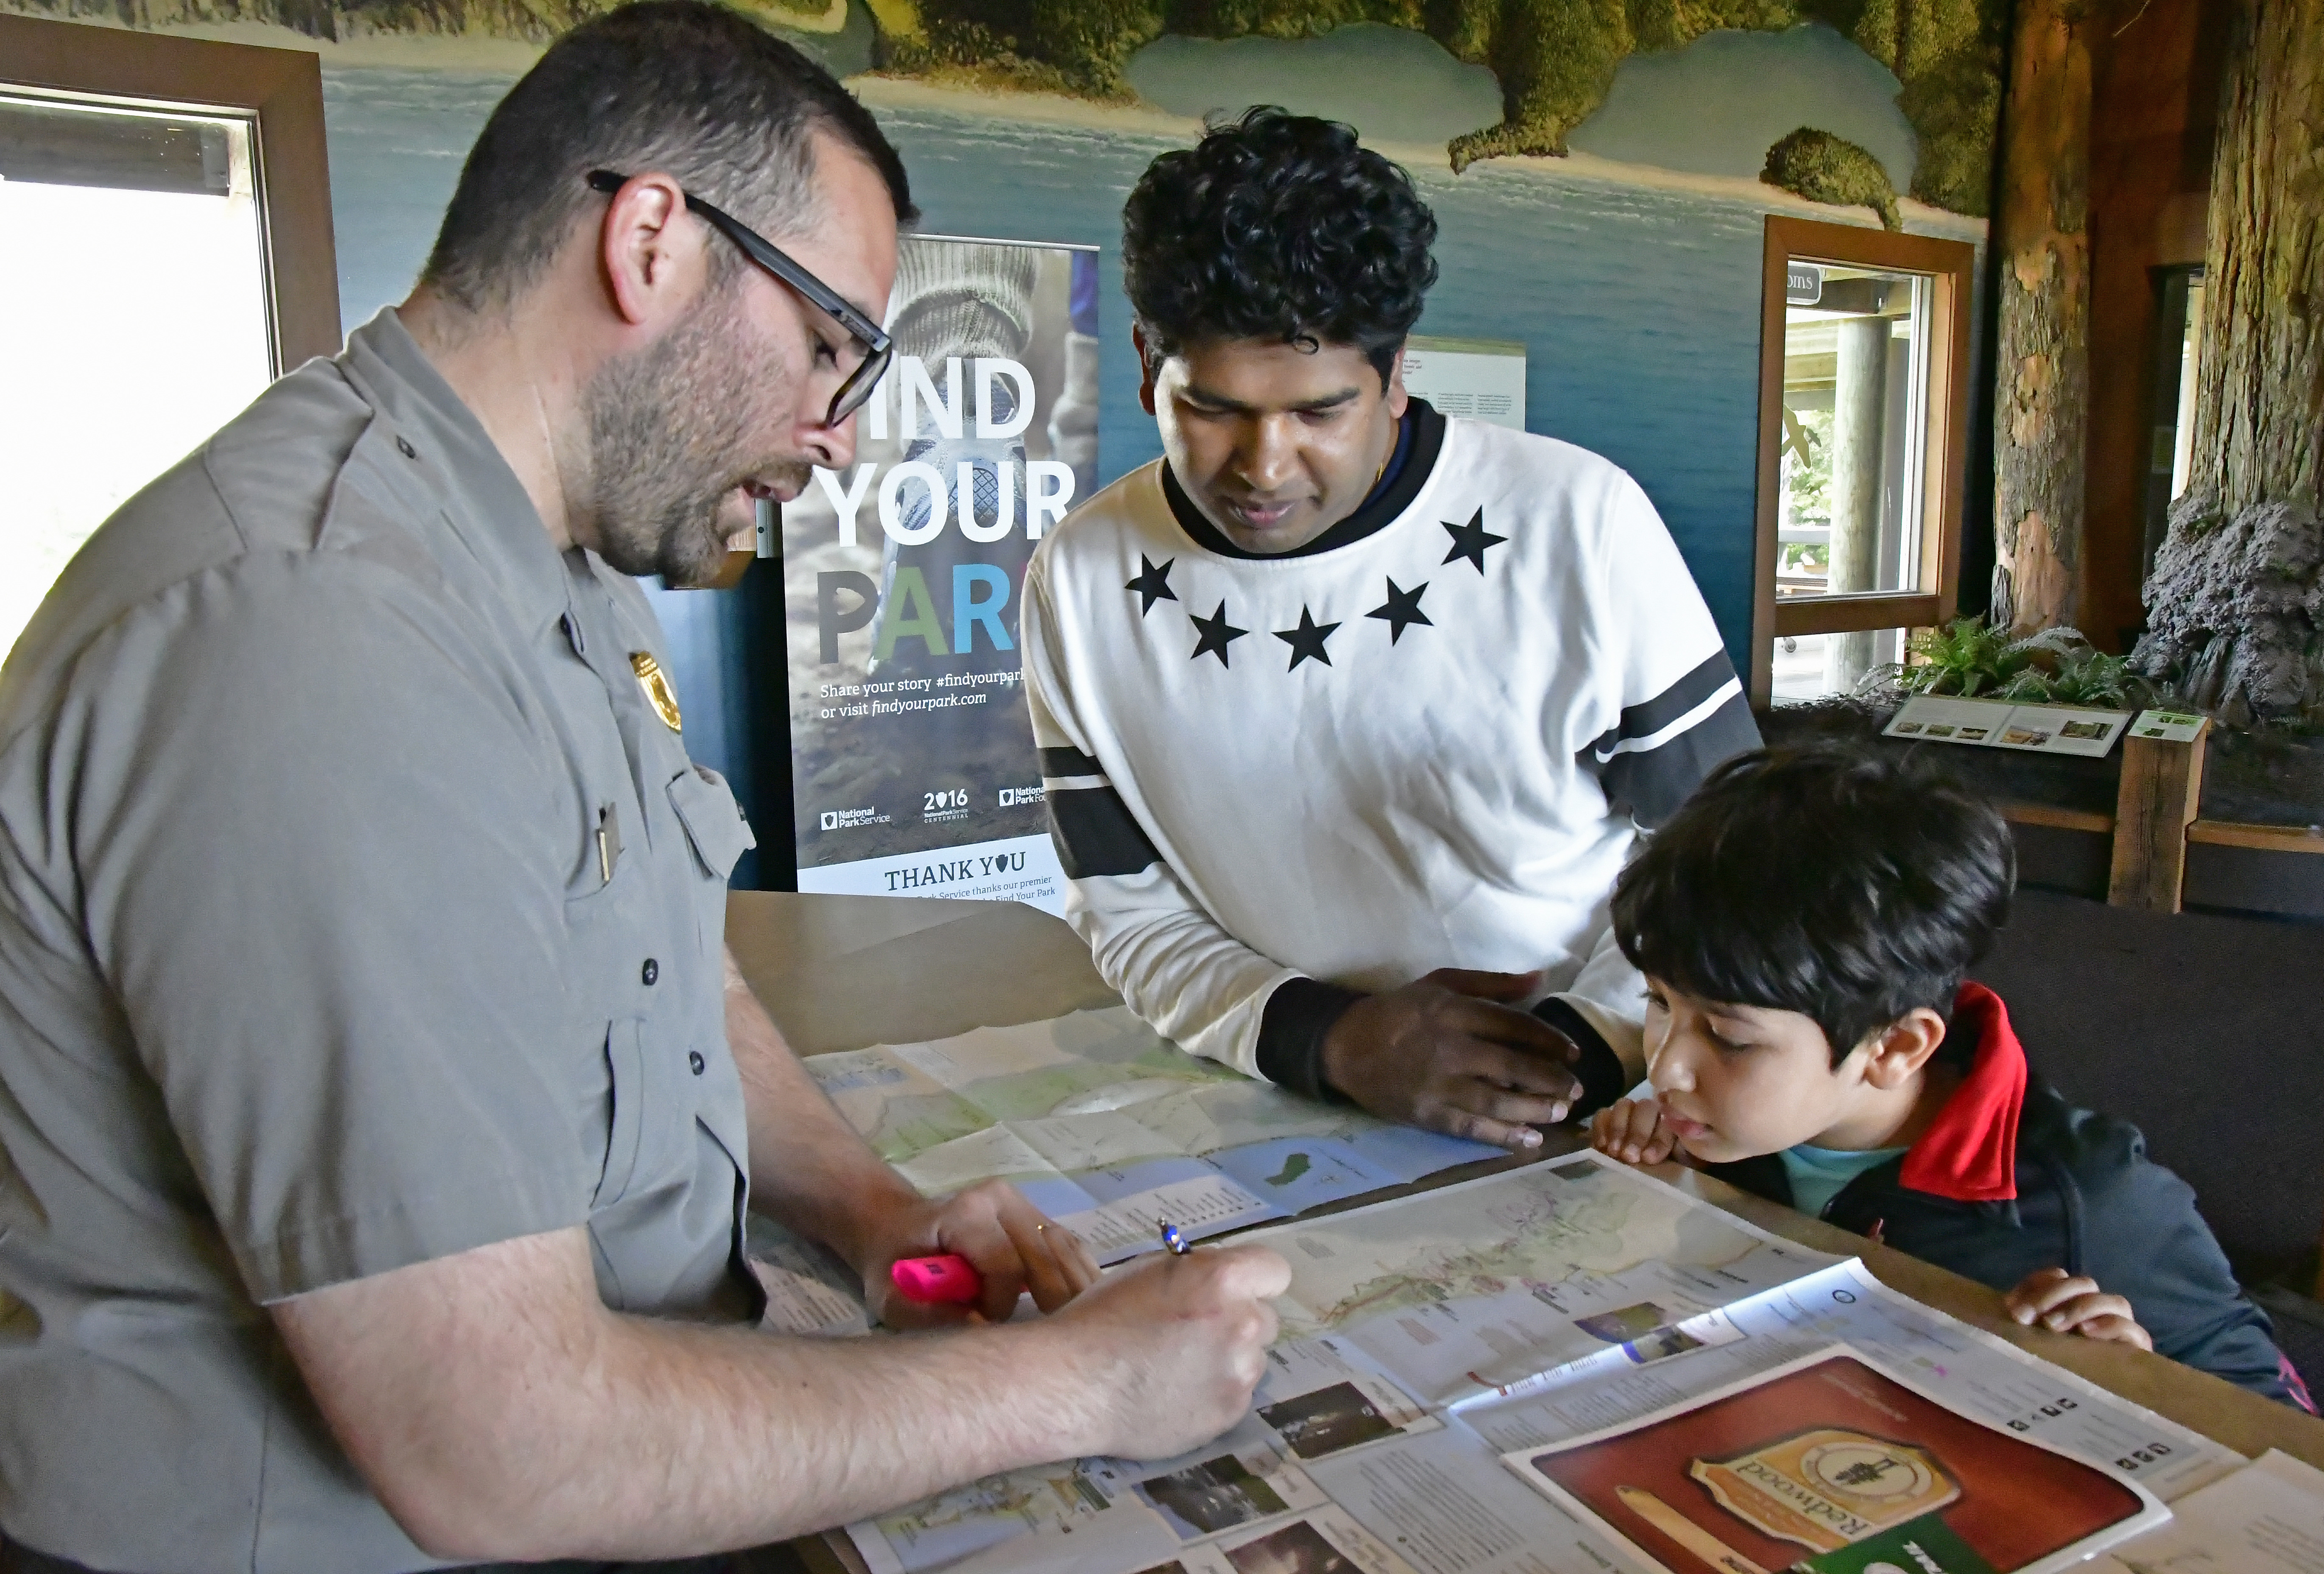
x=912 y=763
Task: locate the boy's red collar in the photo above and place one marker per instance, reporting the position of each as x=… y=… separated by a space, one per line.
x=1970 y=1153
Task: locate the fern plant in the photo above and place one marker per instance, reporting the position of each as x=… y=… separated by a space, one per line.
x=1969 y=658
x=2082 y=677
x=1966 y=657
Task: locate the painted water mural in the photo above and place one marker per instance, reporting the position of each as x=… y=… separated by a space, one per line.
x=1555 y=63
x=1635 y=287
x=1628 y=263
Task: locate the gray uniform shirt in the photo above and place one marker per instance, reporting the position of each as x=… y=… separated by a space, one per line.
x=310 y=966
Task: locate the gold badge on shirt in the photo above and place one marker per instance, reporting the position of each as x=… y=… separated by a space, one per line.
x=656 y=683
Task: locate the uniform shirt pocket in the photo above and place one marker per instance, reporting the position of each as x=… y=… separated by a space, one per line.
x=650 y=1139
x=714 y=821
x=626 y=1070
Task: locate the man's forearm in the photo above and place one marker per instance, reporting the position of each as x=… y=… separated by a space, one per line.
x=809 y=1169
x=817 y=1433
x=526 y=1421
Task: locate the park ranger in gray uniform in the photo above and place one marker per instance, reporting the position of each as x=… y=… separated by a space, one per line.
x=378 y=1103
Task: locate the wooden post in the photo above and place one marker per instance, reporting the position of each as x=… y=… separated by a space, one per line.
x=2162 y=791
x=2042 y=405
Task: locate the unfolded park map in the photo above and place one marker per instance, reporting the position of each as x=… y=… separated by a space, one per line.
x=1109 y=1128
x=1424 y=1337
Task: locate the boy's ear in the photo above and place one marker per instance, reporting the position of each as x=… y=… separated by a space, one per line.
x=1904 y=1047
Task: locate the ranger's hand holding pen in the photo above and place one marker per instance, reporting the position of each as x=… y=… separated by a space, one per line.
x=1179 y=1342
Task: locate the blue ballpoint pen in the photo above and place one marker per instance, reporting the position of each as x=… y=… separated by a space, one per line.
x=1172 y=1239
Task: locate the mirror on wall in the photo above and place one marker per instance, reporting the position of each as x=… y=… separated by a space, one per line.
x=2178 y=359
x=139 y=323
x=168 y=208
x=1855 y=416
x=1861 y=383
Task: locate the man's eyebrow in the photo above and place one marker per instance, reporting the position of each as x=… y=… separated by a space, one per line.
x=1219 y=401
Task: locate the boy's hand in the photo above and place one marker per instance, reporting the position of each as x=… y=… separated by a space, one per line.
x=1633 y=1131
x=2066 y=1303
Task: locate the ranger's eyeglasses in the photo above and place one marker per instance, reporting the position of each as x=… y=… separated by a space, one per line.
x=878 y=349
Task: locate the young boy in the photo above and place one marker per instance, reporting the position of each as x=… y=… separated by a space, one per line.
x=1804 y=923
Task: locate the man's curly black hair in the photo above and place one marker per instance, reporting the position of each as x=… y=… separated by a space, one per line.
x=1278 y=227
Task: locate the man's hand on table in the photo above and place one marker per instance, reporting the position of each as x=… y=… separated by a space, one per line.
x=1174 y=1348
x=1013 y=1246
x=1452 y=1052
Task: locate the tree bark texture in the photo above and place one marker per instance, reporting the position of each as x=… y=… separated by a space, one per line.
x=2259 y=398
x=2234 y=608
x=2042 y=413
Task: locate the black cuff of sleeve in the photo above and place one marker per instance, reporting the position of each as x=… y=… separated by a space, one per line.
x=1291 y=1031
x=1603 y=1080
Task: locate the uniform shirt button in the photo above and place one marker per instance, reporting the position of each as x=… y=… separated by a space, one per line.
x=694 y=1060
x=404 y=447
x=650 y=971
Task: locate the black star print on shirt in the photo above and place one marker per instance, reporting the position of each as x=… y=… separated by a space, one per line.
x=1472 y=540
x=1307 y=639
x=1402 y=611
x=1152 y=583
x=1217 y=634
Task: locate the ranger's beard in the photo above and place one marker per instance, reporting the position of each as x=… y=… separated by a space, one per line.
x=671 y=440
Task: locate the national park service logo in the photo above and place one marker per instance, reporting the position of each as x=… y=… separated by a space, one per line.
x=1829 y=1488
x=656 y=683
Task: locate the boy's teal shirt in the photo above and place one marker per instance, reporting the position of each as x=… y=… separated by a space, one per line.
x=1817 y=1174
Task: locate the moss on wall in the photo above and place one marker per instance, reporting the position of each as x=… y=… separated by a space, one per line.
x=1824 y=168
x=1947 y=54
x=1556 y=58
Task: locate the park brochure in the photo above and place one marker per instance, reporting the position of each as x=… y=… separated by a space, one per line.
x=1832 y=1465
x=1447 y=1359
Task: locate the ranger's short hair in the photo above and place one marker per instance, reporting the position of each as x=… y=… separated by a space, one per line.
x=696 y=90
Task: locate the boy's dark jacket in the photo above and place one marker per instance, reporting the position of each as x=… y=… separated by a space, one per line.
x=2010 y=1179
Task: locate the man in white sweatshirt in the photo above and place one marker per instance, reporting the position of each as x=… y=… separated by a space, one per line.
x=1348 y=712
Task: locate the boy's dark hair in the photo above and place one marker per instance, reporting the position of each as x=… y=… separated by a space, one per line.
x=1847 y=887
x=693 y=89
x=1278 y=227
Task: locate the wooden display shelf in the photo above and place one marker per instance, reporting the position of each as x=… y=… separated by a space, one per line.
x=2058 y=818
x=2258 y=838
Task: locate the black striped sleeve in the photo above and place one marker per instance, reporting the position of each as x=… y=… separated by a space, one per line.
x=1291 y=1032
x=1094 y=832
x=1662 y=748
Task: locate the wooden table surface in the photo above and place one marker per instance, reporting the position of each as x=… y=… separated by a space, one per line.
x=840 y=972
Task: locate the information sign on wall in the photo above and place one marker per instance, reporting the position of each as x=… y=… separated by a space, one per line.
x=1484 y=378
x=913 y=767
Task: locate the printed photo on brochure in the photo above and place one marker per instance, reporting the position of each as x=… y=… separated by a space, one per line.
x=1835 y=1465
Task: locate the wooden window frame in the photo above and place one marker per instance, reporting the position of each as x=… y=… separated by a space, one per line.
x=279 y=91
x=1949 y=266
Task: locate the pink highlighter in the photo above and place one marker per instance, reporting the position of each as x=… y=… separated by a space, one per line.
x=932 y=1280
